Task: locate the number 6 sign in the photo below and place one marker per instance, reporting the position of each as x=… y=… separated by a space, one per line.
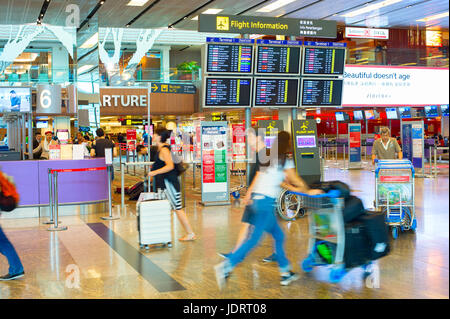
x=48 y=99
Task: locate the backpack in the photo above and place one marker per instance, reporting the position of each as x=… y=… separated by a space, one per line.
x=9 y=198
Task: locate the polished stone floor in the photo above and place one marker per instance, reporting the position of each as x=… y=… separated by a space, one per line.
x=101 y=259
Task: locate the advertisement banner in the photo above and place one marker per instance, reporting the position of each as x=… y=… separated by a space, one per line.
x=238 y=141
x=394 y=86
x=214 y=145
x=354 y=141
x=407 y=141
x=417 y=144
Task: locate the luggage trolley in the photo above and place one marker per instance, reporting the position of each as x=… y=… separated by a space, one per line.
x=290 y=206
x=394 y=191
x=326 y=226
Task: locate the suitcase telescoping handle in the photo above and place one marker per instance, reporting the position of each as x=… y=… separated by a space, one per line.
x=334 y=193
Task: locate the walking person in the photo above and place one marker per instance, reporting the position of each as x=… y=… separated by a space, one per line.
x=264 y=191
x=165 y=174
x=8 y=200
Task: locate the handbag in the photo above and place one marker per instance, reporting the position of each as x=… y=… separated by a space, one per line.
x=9 y=198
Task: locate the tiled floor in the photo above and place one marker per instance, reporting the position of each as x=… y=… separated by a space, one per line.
x=107 y=257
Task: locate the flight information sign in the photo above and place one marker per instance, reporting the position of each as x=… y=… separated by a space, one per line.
x=229 y=58
x=278 y=60
x=321 y=92
x=276 y=92
x=227 y=91
x=323 y=61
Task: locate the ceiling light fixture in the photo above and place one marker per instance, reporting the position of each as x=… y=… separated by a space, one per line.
x=372 y=7
x=195 y=18
x=137 y=3
x=275 y=5
x=434 y=17
x=212 y=11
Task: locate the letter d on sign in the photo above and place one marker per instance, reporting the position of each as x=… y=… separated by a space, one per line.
x=73 y=279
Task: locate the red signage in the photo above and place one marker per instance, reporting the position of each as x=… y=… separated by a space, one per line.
x=355 y=139
x=387 y=179
x=131 y=135
x=208 y=167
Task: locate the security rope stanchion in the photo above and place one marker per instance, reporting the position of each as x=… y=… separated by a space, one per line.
x=56 y=227
x=50 y=199
x=110 y=217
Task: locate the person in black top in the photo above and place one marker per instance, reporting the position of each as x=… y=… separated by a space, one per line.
x=99 y=146
x=36 y=141
x=166 y=178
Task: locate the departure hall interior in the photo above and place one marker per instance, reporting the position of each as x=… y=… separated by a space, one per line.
x=346 y=100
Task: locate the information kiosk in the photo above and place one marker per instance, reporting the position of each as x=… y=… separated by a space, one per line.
x=306 y=150
x=272 y=129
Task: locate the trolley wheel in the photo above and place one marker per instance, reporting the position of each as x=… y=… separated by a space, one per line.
x=308 y=264
x=394 y=232
x=169 y=245
x=289 y=206
x=236 y=194
x=147 y=247
x=302 y=212
x=414 y=225
x=337 y=274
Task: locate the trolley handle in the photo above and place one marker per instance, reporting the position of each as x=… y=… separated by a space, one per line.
x=334 y=193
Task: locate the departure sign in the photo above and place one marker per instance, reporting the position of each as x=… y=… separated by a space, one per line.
x=323 y=61
x=278 y=60
x=227 y=92
x=321 y=92
x=276 y=92
x=229 y=58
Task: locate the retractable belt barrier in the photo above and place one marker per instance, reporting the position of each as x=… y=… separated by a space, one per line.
x=53 y=194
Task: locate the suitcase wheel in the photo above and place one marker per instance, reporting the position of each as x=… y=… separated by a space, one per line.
x=236 y=194
x=169 y=245
x=394 y=232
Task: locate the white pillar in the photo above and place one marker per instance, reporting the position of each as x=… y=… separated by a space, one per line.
x=286 y=116
x=165 y=66
x=60 y=64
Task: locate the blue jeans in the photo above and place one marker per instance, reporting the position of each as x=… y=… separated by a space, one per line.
x=7 y=249
x=264 y=221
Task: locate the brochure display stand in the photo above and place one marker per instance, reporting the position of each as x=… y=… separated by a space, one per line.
x=413 y=145
x=354 y=145
x=215 y=173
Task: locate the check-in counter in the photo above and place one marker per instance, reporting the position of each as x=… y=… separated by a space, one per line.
x=74 y=188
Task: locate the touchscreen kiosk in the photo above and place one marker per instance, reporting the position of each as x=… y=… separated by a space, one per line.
x=306 y=150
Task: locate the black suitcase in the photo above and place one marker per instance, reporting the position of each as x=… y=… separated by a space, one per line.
x=353 y=208
x=356 y=245
x=136 y=190
x=377 y=232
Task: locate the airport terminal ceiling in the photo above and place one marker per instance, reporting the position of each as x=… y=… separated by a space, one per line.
x=182 y=14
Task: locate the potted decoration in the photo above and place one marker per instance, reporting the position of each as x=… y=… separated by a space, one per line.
x=187 y=69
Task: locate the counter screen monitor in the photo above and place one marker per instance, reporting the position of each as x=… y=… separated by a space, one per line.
x=321 y=92
x=229 y=58
x=431 y=111
x=405 y=112
x=268 y=141
x=276 y=92
x=358 y=115
x=41 y=124
x=15 y=99
x=224 y=92
x=339 y=116
x=278 y=60
x=391 y=114
x=323 y=61
x=444 y=110
x=370 y=114
x=306 y=141
x=419 y=112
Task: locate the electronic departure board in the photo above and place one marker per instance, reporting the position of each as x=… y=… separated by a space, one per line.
x=229 y=58
x=276 y=92
x=278 y=60
x=323 y=61
x=227 y=91
x=321 y=92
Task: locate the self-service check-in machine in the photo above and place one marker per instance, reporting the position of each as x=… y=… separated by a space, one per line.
x=306 y=150
x=272 y=130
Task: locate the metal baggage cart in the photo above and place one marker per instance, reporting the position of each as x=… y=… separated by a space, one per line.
x=290 y=206
x=326 y=226
x=394 y=192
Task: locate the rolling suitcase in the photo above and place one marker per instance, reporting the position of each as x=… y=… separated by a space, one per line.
x=154 y=221
x=356 y=251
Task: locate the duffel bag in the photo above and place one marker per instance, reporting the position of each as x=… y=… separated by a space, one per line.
x=377 y=233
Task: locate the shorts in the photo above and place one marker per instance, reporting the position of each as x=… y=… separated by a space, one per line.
x=173 y=195
x=248 y=215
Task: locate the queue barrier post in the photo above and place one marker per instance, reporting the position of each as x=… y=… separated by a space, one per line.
x=50 y=198
x=110 y=217
x=56 y=227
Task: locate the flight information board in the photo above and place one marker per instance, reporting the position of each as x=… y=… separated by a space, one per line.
x=229 y=58
x=227 y=92
x=276 y=92
x=323 y=61
x=321 y=92
x=278 y=60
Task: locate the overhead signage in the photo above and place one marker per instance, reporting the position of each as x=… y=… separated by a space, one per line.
x=123 y=97
x=325 y=44
x=230 y=40
x=321 y=92
x=228 y=58
x=367 y=33
x=267 y=25
x=276 y=92
x=395 y=85
x=278 y=42
x=173 y=88
x=227 y=92
x=48 y=99
x=323 y=61
x=276 y=60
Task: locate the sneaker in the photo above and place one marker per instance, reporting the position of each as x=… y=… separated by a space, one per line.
x=12 y=277
x=224 y=255
x=221 y=275
x=272 y=258
x=288 y=278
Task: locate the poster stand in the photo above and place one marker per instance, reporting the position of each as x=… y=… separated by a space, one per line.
x=214 y=164
x=354 y=146
x=413 y=145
